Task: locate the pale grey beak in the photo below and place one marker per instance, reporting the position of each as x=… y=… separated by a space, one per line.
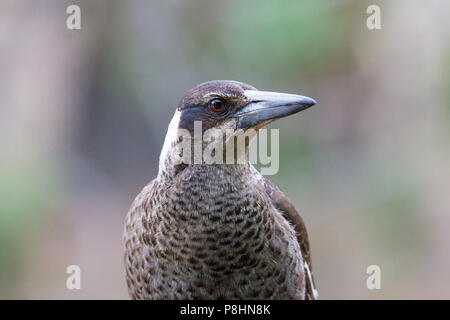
x=268 y=106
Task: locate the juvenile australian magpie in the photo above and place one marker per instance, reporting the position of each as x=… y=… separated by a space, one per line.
x=218 y=230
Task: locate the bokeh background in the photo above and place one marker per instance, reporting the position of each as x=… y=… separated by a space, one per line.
x=83 y=115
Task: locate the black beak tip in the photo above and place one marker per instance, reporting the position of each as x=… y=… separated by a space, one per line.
x=309 y=102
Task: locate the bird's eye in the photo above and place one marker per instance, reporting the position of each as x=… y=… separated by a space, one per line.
x=217 y=105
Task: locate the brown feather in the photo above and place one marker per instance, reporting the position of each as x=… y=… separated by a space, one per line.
x=285 y=206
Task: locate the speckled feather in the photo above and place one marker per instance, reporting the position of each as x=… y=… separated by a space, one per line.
x=218 y=235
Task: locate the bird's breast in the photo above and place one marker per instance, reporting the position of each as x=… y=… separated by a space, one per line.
x=211 y=231
x=214 y=221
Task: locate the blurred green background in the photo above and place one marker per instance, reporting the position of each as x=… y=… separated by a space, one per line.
x=83 y=115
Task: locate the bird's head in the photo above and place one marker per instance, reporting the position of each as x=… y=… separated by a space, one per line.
x=224 y=106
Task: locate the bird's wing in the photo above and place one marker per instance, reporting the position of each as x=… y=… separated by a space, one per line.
x=284 y=205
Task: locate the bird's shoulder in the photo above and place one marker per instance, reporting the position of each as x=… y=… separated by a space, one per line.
x=139 y=206
x=282 y=203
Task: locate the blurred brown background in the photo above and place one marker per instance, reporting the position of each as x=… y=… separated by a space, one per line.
x=83 y=115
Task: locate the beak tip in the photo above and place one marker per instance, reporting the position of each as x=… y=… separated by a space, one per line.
x=310 y=102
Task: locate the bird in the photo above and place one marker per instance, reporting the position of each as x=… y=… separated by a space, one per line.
x=218 y=230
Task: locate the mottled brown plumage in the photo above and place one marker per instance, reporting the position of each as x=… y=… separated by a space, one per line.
x=215 y=231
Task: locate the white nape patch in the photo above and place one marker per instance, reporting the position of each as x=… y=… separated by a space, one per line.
x=171 y=136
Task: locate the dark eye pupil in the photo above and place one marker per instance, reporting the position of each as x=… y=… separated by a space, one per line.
x=217 y=105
